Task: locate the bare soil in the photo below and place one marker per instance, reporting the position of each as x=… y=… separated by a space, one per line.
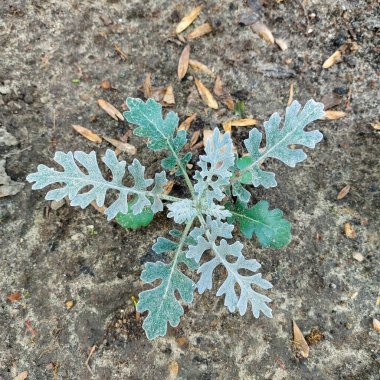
x=54 y=55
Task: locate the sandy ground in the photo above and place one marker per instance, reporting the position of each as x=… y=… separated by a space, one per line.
x=54 y=55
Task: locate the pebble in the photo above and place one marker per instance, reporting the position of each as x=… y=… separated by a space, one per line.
x=4 y=90
x=358 y=256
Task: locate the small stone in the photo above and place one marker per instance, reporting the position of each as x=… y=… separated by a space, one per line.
x=358 y=256
x=376 y=325
x=4 y=90
x=69 y=304
x=349 y=231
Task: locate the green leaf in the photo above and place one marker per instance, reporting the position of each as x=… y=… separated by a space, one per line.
x=268 y=225
x=135 y=221
x=239 y=108
x=278 y=141
x=161 y=133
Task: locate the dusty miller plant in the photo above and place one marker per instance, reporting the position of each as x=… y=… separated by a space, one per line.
x=218 y=198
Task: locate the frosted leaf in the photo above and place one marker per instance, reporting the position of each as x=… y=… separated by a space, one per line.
x=182 y=211
x=161 y=133
x=75 y=182
x=278 y=141
x=215 y=167
x=214 y=210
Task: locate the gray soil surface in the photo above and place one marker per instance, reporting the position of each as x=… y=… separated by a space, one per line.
x=54 y=55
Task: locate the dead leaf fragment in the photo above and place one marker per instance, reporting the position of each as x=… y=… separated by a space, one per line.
x=200 y=67
x=123 y=146
x=168 y=187
x=349 y=231
x=89 y=135
x=181 y=341
x=21 y=376
x=343 y=192
x=200 y=31
x=227 y=126
x=218 y=87
x=224 y=95
x=169 y=96
x=183 y=63
x=194 y=138
x=334 y=58
x=283 y=45
x=110 y=109
x=291 y=94
x=376 y=126
x=173 y=370
x=120 y=52
x=188 y=19
x=206 y=94
x=263 y=31
x=14 y=296
x=147 y=86
x=185 y=125
x=376 y=325
x=300 y=342
x=333 y=115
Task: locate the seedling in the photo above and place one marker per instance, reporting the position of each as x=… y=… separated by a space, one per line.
x=217 y=199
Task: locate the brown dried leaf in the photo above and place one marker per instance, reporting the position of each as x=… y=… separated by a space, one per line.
x=188 y=19
x=343 y=192
x=105 y=84
x=185 y=125
x=349 y=231
x=218 y=87
x=263 y=31
x=183 y=63
x=376 y=126
x=206 y=95
x=89 y=135
x=300 y=342
x=376 y=325
x=14 y=296
x=283 y=45
x=227 y=126
x=123 y=146
x=200 y=67
x=331 y=100
x=333 y=115
x=158 y=94
x=291 y=94
x=169 y=96
x=334 y=58
x=21 y=376
x=194 y=138
x=228 y=102
x=110 y=109
x=168 y=187
x=200 y=31
x=147 y=86
x=173 y=370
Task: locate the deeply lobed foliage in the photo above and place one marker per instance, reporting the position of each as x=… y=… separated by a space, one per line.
x=218 y=198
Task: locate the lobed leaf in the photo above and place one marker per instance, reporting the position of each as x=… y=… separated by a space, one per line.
x=268 y=225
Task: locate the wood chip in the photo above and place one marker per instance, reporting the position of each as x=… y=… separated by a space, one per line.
x=291 y=94
x=123 y=146
x=14 y=297
x=183 y=63
x=147 y=86
x=200 y=67
x=21 y=376
x=89 y=135
x=358 y=256
x=185 y=125
x=188 y=19
x=110 y=109
x=227 y=126
x=333 y=115
x=263 y=31
x=206 y=95
x=173 y=370
x=376 y=126
x=376 y=325
x=169 y=96
x=283 y=45
x=343 y=192
x=300 y=342
x=349 y=231
x=200 y=31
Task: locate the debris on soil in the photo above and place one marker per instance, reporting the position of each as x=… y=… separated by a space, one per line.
x=89 y=135
x=300 y=344
x=206 y=95
x=333 y=115
x=376 y=126
x=173 y=370
x=331 y=100
x=13 y=297
x=376 y=325
x=335 y=57
x=110 y=109
x=183 y=63
x=122 y=146
x=263 y=31
x=314 y=337
x=358 y=256
x=343 y=193
x=185 y=125
x=169 y=96
x=69 y=304
x=349 y=231
x=168 y=187
x=21 y=376
x=6 y=138
x=224 y=95
x=120 y=52
x=7 y=186
x=200 y=31
x=291 y=93
x=227 y=126
x=147 y=86
x=188 y=19
x=283 y=45
x=55 y=205
x=200 y=67
x=105 y=84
